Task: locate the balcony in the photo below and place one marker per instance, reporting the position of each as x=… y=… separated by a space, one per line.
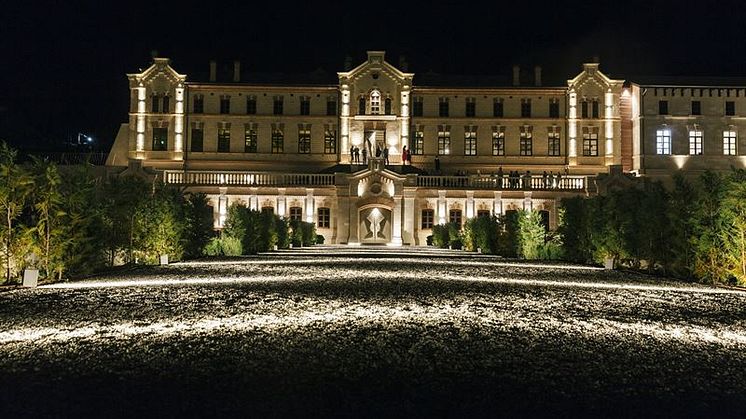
x=224 y=178
x=536 y=182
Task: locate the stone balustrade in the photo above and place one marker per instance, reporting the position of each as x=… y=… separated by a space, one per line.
x=225 y=178
x=523 y=182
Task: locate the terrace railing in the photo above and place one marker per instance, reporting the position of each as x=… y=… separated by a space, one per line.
x=225 y=178
x=535 y=182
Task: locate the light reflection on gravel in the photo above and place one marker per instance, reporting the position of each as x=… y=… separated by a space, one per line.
x=398 y=333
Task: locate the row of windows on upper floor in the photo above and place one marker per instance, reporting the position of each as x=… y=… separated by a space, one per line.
x=590 y=140
x=698 y=92
x=372 y=105
x=663 y=142
x=696 y=108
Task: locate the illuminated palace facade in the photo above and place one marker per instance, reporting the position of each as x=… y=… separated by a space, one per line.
x=290 y=148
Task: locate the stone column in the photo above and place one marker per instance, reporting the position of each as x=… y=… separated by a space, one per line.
x=281 y=202
x=497 y=205
x=441 y=211
x=572 y=126
x=344 y=123
x=254 y=199
x=396 y=224
x=222 y=206
x=410 y=227
x=309 y=206
x=609 y=127
x=470 y=204
x=528 y=203
x=179 y=123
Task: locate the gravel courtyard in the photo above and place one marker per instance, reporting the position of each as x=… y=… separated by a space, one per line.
x=372 y=332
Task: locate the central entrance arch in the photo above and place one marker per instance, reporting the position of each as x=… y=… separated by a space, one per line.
x=374 y=224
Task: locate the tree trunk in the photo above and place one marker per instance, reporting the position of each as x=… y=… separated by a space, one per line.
x=7 y=247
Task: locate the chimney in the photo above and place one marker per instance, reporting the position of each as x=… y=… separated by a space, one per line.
x=236 y=71
x=537 y=76
x=213 y=70
x=516 y=75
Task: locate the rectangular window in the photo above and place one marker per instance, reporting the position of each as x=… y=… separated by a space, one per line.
x=484 y=213
x=224 y=140
x=324 y=218
x=330 y=141
x=418 y=144
x=199 y=104
x=250 y=138
x=584 y=109
x=277 y=105
x=554 y=108
x=296 y=214
x=553 y=141
x=730 y=108
x=160 y=139
x=387 y=106
x=417 y=107
x=526 y=141
x=662 y=107
x=525 y=108
x=166 y=106
x=498 y=141
x=663 y=141
x=428 y=217
x=470 y=141
x=594 y=108
x=225 y=104
x=305 y=105
x=155 y=104
x=443 y=107
x=331 y=107
x=304 y=140
x=268 y=210
x=696 y=107
x=278 y=141
x=251 y=105
x=590 y=141
x=471 y=107
x=497 y=108
x=361 y=106
x=729 y=143
x=695 y=142
x=444 y=140
x=198 y=136
x=454 y=216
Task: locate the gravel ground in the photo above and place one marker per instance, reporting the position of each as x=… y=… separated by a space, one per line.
x=354 y=332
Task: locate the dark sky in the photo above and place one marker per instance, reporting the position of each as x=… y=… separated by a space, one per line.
x=64 y=63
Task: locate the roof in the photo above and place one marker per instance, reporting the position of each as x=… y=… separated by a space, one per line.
x=688 y=81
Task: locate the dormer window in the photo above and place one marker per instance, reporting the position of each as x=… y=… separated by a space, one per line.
x=375 y=102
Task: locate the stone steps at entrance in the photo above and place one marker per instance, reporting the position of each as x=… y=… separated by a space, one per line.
x=374 y=251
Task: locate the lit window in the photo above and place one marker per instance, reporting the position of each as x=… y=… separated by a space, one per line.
x=250 y=138
x=729 y=143
x=553 y=141
x=428 y=216
x=330 y=141
x=296 y=214
x=278 y=141
x=695 y=142
x=419 y=142
x=304 y=140
x=590 y=141
x=324 y=218
x=470 y=141
x=224 y=140
x=498 y=141
x=375 y=102
x=160 y=139
x=444 y=139
x=663 y=141
x=526 y=141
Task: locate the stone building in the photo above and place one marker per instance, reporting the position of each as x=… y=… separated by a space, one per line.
x=331 y=153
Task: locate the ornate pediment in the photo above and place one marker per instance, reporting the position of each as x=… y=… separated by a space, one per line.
x=376 y=67
x=158 y=76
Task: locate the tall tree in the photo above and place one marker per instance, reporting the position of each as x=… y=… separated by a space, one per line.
x=50 y=216
x=15 y=186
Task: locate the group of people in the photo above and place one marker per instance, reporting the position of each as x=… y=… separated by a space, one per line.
x=548 y=180
x=356 y=152
x=355 y=155
x=406 y=156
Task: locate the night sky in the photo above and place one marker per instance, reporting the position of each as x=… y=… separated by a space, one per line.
x=63 y=65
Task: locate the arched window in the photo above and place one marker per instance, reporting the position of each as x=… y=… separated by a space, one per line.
x=375 y=102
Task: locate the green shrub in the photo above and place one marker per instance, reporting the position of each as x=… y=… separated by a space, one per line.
x=213 y=248
x=320 y=239
x=530 y=234
x=440 y=236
